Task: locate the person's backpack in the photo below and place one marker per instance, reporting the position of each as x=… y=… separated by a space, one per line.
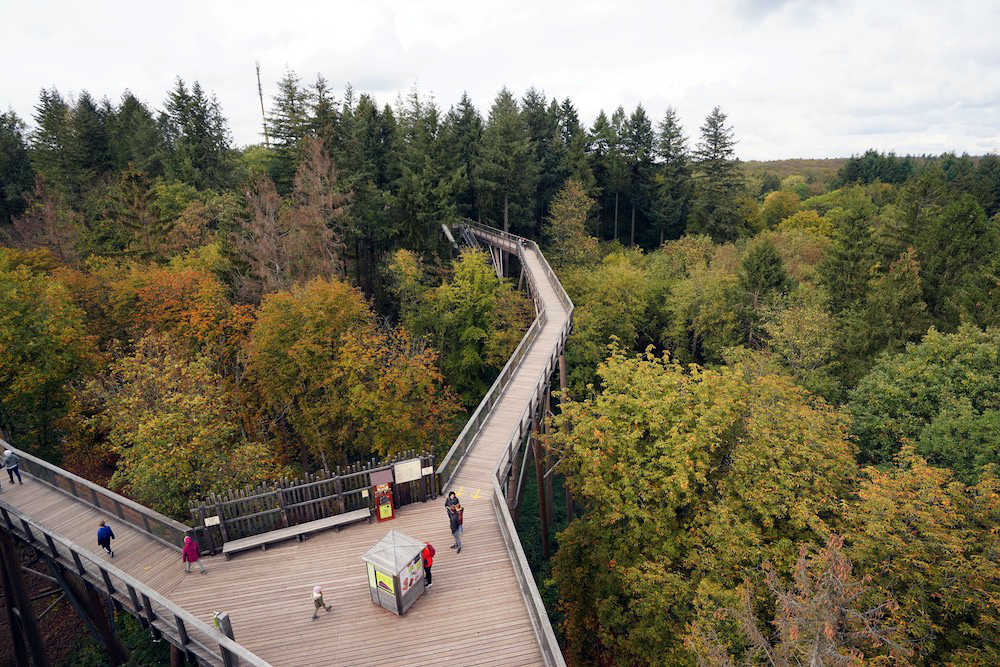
x=430 y=549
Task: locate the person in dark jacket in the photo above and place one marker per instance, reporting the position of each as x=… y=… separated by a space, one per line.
x=10 y=461
x=428 y=556
x=104 y=537
x=450 y=502
x=455 y=520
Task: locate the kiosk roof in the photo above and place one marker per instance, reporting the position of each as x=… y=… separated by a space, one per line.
x=393 y=552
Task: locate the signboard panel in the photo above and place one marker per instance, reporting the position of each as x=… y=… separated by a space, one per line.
x=407 y=471
x=212 y=520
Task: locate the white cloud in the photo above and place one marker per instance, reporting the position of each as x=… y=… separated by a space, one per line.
x=796 y=78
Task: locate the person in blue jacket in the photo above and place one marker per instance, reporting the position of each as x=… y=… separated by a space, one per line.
x=104 y=537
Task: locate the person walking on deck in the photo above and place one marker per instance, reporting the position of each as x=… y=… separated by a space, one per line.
x=428 y=556
x=318 y=601
x=190 y=554
x=455 y=520
x=10 y=461
x=104 y=537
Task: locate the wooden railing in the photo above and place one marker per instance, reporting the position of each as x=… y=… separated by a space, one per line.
x=241 y=513
x=547 y=642
x=165 y=619
x=161 y=528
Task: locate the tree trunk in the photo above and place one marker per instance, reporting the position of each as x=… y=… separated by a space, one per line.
x=616 y=217
x=632 y=240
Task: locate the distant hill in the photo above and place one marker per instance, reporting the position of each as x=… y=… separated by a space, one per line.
x=819 y=173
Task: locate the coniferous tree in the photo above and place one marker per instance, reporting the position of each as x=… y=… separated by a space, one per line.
x=542 y=120
x=323 y=113
x=134 y=137
x=461 y=133
x=507 y=172
x=287 y=124
x=196 y=136
x=16 y=174
x=716 y=208
x=51 y=139
x=673 y=189
x=638 y=150
x=599 y=140
x=574 y=146
x=90 y=150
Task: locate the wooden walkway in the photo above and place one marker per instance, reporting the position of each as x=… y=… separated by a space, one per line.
x=475 y=614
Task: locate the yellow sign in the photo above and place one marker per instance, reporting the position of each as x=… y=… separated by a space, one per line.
x=385 y=510
x=384 y=582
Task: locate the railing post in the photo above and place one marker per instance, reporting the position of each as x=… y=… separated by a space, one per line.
x=226 y=628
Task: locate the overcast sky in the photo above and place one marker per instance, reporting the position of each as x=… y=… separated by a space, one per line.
x=797 y=79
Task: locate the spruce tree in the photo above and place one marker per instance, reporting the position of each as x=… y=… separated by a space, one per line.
x=574 y=146
x=638 y=150
x=196 y=136
x=507 y=173
x=461 y=133
x=135 y=138
x=287 y=124
x=716 y=209
x=51 y=139
x=674 y=186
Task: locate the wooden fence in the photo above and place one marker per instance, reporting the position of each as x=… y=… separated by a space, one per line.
x=252 y=511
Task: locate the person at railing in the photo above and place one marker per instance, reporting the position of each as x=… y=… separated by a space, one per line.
x=191 y=554
x=104 y=537
x=10 y=461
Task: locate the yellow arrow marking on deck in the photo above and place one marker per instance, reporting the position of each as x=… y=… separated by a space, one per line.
x=475 y=495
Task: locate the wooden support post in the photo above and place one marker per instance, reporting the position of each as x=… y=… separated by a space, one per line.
x=549 y=499
x=91 y=610
x=564 y=396
x=513 y=490
x=226 y=628
x=20 y=613
x=543 y=524
x=280 y=495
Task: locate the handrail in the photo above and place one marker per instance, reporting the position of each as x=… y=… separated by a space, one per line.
x=184 y=628
x=547 y=642
x=456 y=453
x=160 y=527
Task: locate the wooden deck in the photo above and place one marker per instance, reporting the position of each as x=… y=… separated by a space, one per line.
x=475 y=614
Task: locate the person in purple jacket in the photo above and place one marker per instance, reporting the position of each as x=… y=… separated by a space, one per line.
x=104 y=537
x=190 y=554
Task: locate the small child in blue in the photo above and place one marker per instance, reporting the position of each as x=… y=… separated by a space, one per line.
x=104 y=537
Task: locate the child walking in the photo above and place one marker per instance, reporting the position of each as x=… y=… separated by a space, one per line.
x=191 y=554
x=318 y=601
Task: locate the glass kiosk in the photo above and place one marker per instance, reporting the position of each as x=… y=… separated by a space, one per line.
x=395 y=571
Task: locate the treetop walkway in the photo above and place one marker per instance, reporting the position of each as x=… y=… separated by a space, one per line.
x=483 y=609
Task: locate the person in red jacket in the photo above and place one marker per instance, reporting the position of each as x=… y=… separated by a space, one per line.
x=428 y=555
x=189 y=554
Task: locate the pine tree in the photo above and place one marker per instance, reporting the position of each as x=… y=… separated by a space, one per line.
x=674 y=186
x=716 y=209
x=16 y=174
x=507 y=172
x=323 y=114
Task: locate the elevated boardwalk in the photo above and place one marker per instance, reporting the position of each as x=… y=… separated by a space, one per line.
x=482 y=609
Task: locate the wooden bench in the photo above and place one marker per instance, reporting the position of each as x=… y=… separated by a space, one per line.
x=299 y=531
